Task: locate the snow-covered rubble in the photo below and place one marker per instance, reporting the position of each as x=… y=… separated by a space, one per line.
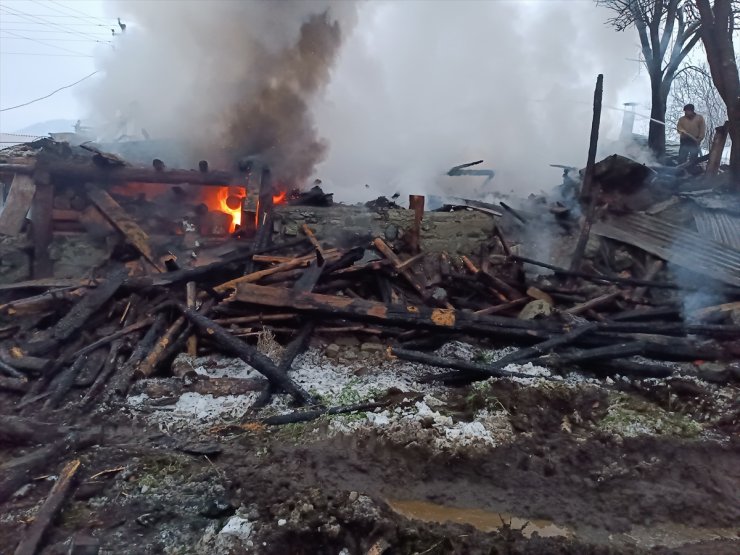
x=352 y=375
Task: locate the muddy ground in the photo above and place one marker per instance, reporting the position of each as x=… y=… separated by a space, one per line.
x=551 y=464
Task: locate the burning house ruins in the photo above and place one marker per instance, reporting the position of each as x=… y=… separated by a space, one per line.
x=115 y=275
x=206 y=355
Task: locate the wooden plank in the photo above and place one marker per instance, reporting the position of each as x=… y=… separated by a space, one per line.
x=20 y=197
x=32 y=539
x=41 y=221
x=256 y=276
x=593 y=303
x=118 y=217
x=416 y=203
x=315 y=242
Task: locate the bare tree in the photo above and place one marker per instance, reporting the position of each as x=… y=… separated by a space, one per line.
x=719 y=19
x=667 y=34
x=693 y=85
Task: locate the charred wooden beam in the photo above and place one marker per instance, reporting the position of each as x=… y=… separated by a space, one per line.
x=90 y=172
x=41 y=222
x=17 y=472
x=416 y=203
x=79 y=314
x=456 y=364
x=34 y=534
x=595 y=278
x=17 y=205
x=147 y=366
x=17 y=385
x=118 y=217
x=122 y=378
x=248 y=354
x=588 y=179
x=16 y=430
x=386 y=251
x=394 y=314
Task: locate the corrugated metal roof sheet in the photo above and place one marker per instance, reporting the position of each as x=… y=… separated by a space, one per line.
x=675 y=244
x=720 y=226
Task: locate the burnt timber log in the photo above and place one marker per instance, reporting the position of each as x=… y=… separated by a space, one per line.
x=248 y=354
x=34 y=534
x=16 y=430
x=396 y=314
x=79 y=314
x=123 y=174
x=118 y=217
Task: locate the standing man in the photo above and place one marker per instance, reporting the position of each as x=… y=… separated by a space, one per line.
x=692 y=128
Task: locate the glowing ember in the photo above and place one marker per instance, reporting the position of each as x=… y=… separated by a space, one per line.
x=279 y=198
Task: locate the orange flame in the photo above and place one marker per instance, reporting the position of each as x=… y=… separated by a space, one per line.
x=225 y=198
x=279 y=198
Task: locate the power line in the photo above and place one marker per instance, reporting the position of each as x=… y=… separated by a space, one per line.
x=43 y=43
x=25 y=15
x=70 y=8
x=71 y=16
x=44 y=54
x=54 y=39
x=63 y=13
x=67 y=23
x=50 y=31
x=48 y=95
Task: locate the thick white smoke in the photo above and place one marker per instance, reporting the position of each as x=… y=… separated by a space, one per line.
x=423 y=86
x=414 y=88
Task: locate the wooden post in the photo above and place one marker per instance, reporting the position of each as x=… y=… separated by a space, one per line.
x=715 y=151
x=191 y=296
x=41 y=222
x=265 y=206
x=20 y=197
x=588 y=195
x=416 y=203
x=586 y=188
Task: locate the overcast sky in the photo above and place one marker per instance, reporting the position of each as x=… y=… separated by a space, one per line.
x=47 y=44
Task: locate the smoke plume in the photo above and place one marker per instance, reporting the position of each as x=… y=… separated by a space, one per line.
x=225 y=79
x=423 y=86
x=385 y=94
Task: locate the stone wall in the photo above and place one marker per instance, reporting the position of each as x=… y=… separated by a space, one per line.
x=460 y=232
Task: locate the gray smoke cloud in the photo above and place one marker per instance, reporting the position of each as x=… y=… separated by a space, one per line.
x=388 y=94
x=227 y=79
x=423 y=86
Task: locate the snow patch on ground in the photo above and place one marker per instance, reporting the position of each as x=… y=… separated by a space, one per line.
x=422 y=424
x=194 y=410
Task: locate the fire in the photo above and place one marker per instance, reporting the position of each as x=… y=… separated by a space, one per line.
x=230 y=202
x=279 y=198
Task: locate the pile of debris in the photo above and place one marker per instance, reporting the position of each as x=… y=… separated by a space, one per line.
x=81 y=340
x=652 y=277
